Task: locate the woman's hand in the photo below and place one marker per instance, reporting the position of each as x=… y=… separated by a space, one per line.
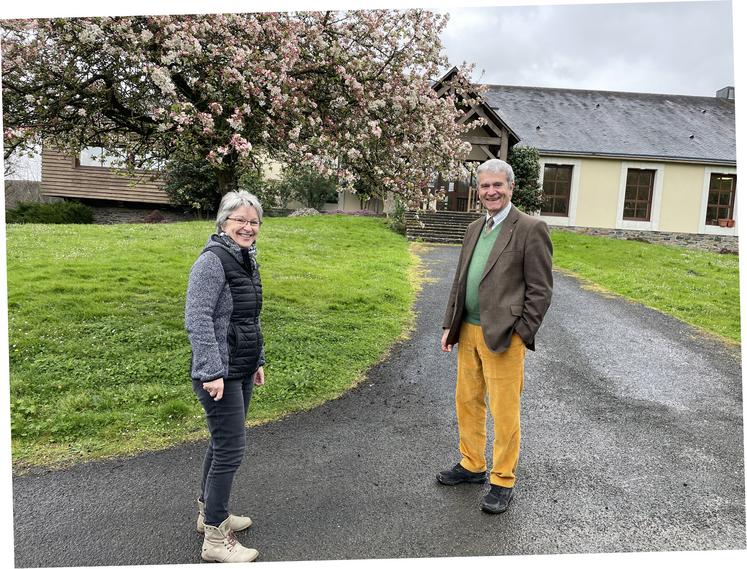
x=259 y=376
x=214 y=388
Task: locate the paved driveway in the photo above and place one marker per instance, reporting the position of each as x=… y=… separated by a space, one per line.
x=632 y=441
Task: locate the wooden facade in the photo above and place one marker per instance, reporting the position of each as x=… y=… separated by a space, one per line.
x=64 y=177
x=492 y=139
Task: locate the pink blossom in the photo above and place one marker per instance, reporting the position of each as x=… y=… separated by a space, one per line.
x=353 y=84
x=241 y=145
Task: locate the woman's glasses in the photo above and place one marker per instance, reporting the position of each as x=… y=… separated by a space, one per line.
x=244 y=222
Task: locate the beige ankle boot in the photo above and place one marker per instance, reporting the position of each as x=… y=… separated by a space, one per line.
x=221 y=545
x=237 y=523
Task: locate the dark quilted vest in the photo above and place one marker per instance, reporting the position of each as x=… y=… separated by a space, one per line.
x=244 y=336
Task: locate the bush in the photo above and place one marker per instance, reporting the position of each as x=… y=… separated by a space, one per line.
x=525 y=161
x=397 y=218
x=192 y=183
x=308 y=187
x=155 y=216
x=62 y=212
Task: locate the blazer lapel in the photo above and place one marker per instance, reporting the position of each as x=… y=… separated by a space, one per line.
x=502 y=240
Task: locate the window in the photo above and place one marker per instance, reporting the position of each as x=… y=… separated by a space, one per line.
x=556 y=187
x=639 y=192
x=97 y=156
x=721 y=192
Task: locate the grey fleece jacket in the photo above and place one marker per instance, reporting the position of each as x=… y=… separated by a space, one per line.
x=208 y=312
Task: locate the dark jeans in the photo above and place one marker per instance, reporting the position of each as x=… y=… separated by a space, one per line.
x=226 y=423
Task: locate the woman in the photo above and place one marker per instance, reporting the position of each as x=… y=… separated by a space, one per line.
x=224 y=299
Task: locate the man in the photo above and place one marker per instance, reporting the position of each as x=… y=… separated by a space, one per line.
x=501 y=291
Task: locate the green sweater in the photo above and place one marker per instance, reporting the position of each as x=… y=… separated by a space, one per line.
x=474 y=274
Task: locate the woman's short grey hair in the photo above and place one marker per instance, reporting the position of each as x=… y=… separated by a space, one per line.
x=231 y=202
x=497 y=166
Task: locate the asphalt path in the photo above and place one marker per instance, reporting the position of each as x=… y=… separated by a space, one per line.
x=632 y=441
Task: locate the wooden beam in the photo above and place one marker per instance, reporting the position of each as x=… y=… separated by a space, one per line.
x=484 y=140
x=486 y=150
x=489 y=122
x=443 y=89
x=504 y=147
x=466 y=116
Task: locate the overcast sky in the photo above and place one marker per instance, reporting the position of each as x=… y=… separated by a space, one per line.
x=680 y=48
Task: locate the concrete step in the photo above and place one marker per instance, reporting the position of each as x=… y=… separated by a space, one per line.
x=438 y=226
x=441 y=212
x=468 y=218
x=429 y=231
x=430 y=224
x=434 y=239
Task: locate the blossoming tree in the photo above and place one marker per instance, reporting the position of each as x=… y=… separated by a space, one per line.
x=347 y=93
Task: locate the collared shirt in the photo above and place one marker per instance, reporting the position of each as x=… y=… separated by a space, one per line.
x=499 y=217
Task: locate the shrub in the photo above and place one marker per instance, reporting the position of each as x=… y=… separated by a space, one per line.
x=62 y=212
x=397 y=217
x=308 y=187
x=193 y=183
x=155 y=216
x=528 y=190
x=190 y=180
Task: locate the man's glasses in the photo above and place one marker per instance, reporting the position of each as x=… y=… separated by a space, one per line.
x=243 y=222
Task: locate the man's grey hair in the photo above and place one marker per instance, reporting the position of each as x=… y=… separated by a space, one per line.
x=231 y=202
x=497 y=166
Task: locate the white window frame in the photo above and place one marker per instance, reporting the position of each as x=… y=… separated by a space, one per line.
x=653 y=224
x=98 y=157
x=715 y=229
x=570 y=219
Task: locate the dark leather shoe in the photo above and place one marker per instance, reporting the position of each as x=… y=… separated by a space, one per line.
x=459 y=474
x=496 y=501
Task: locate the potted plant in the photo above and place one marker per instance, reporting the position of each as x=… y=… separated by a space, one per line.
x=729 y=223
x=723 y=222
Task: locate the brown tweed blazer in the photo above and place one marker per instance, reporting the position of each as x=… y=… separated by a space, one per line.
x=516 y=287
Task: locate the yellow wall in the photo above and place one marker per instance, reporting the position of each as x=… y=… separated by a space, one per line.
x=599 y=193
x=598 y=189
x=351 y=202
x=681 y=197
x=272 y=170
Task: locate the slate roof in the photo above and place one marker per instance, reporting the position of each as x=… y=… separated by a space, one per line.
x=616 y=124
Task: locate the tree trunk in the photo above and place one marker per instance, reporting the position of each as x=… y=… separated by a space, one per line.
x=227 y=181
x=228 y=175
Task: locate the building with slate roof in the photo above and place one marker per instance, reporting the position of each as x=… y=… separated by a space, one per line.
x=615 y=162
x=629 y=160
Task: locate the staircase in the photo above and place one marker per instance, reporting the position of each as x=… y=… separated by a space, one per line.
x=438 y=226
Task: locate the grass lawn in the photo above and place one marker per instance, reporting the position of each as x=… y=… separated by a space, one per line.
x=99 y=358
x=698 y=287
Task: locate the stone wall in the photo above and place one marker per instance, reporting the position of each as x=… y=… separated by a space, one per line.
x=713 y=243
x=24 y=191
x=107 y=215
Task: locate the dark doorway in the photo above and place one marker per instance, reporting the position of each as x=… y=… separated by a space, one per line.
x=460 y=194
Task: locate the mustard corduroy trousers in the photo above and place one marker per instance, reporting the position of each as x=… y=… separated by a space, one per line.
x=500 y=377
